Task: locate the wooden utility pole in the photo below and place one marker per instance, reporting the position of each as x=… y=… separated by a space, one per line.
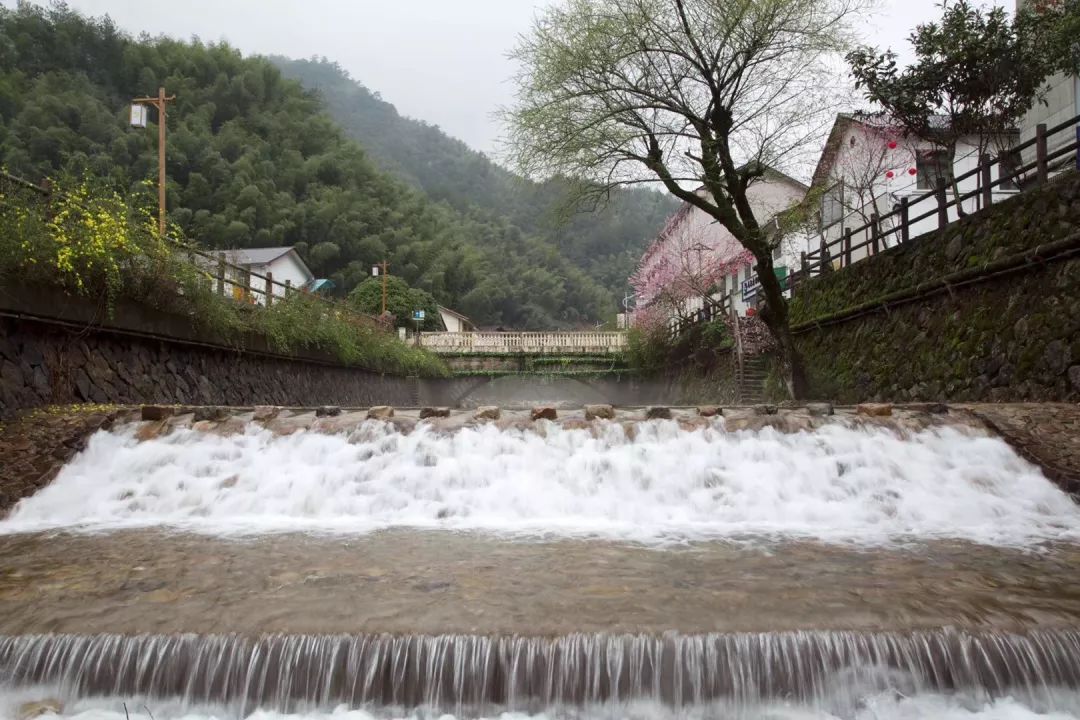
x=384 y=265
x=160 y=102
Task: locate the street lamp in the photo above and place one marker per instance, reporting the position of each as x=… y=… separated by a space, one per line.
x=139 y=114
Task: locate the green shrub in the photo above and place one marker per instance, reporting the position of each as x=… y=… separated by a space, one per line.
x=90 y=241
x=648 y=349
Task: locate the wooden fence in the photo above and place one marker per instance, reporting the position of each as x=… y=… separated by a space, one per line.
x=712 y=309
x=870 y=238
x=509 y=343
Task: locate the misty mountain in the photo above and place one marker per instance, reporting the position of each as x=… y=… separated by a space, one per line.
x=605 y=243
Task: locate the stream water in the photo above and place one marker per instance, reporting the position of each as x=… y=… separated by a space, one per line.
x=610 y=570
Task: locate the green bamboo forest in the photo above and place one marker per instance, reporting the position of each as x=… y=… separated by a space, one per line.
x=270 y=151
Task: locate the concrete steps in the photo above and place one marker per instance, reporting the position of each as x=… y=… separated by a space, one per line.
x=752 y=380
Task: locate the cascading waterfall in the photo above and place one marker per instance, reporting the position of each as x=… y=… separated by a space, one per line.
x=475 y=672
x=659 y=482
x=652 y=482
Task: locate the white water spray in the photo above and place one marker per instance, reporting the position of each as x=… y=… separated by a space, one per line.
x=864 y=485
x=884 y=706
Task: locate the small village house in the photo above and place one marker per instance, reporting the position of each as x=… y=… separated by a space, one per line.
x=868 y=165
x=454 y=321
x=694 y=258
x=284 y=263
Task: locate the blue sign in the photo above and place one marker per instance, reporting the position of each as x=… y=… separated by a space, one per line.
x=418 y=314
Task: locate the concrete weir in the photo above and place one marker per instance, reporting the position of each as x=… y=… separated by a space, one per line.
x=550 y=559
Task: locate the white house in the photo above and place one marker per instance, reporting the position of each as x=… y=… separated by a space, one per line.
x=695 y=257
x=868 y=165
x=1060 y=104
x=454 y=321
x=283 y=262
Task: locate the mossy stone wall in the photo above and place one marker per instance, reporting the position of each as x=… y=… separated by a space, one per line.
x=1009 y=336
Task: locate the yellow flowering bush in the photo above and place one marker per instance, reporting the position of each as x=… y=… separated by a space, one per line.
x=86 y=238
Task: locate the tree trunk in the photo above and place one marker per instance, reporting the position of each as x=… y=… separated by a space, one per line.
x=776 y=318
x=951 y=160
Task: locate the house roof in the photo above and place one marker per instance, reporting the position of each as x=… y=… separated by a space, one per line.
x=447 y=311
x=769 y=170
x=832 y=147
x=247 y=257
x=254 y=256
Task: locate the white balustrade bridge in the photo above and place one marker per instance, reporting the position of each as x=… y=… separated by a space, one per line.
x=524 y=343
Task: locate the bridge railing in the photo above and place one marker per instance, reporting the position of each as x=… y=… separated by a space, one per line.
x=577 y=343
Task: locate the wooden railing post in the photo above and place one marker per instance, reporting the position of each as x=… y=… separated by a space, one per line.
x=1041 y=161
x=847 y=248
x=269 y=288
x=824 y=258
x=221 y=276
x=288 y=287
x=247 y=286
x=875 y=231
x=905 y=225
x=942 y=203
x=804 y=267
x=985 y=180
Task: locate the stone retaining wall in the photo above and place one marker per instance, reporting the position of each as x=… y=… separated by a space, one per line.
x=56 y=349
x=1004 y=328
x=43 y=364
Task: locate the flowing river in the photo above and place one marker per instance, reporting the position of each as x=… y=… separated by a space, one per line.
x=646 y=569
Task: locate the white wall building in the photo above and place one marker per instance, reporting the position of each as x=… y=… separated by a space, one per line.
x=1060 y=104
x=695 y=257
x=454 y=321
x=868 y=166
x=283 y=262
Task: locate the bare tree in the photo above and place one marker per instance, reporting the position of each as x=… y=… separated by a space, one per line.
x=687 y=93
x=873 y=155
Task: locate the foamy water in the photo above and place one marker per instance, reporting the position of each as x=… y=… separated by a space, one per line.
x=882 y=706
x=837 y=484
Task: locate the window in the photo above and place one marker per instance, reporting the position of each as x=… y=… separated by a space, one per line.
x=1008 y=164
x=929 y=166
x=776 y=251
x=723 y=286
x=832 y=205
x=746 y=273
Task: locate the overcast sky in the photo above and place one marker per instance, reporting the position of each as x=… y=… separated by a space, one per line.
x=443 y=61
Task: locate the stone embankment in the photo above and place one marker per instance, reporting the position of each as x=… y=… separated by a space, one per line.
x=1045 y=434
x=34 y=447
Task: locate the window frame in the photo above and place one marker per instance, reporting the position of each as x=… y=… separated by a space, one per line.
x=940 y=160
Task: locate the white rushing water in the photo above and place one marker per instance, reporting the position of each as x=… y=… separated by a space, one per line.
x=882 y=706
x=837 y=484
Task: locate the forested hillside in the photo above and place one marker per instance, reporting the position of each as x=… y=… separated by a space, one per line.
x=254 y=160
x=606 y=243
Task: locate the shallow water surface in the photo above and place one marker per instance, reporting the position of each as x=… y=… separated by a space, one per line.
x=413 y=581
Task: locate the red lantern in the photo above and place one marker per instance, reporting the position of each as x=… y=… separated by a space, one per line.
x=890 y=174
x=912 y=171
x=892 y=144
